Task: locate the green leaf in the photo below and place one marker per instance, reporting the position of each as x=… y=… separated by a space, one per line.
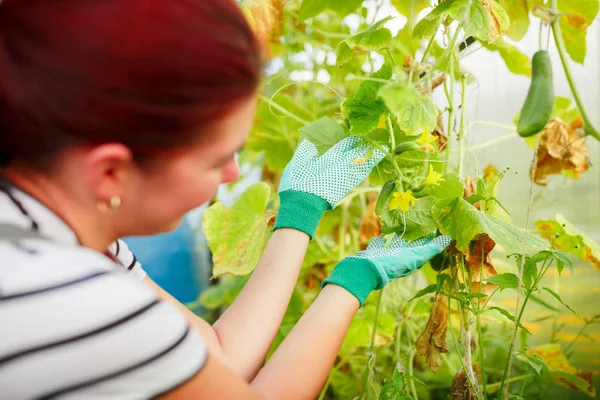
x=381 y=173
x=359 y=333
x=414 y=111
x=565 y=109
x=557 y=297
x=516 y=61
x=410 y=7
x=237 y=235
x=451 y=186
x=529 y=273
x=566 y=237
x=510 y=317
x=460 y=220
x=471 y=13
x=324 y=133
x=419 y=160
x=575 y=36
x=365 y=109
x=276 y=135
x=504 y=281
x=535 y=362
x=575 y=41
x=541 y=302
x=312 y=8
x=394 y=389
x=518 y=13
x=429 y=289
x=418 y=220
x=374 y=38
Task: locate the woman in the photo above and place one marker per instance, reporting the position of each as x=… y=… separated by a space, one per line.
x=118 y=117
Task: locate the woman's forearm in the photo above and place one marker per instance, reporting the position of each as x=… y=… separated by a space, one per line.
x=301 y=364
x=247 y=328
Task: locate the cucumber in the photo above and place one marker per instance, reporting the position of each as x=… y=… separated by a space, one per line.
x=406 y=146
x=384 y=195
x=539 y=102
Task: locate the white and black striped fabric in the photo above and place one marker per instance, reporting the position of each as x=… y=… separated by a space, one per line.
x=76 y=325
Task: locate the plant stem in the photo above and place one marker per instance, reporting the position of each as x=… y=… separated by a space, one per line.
x=467 y=329
x=494 y=125
x=478 y=323
x=454 y=275
x=284 y=110
x=560 y=46
x=372 y=347
x=491 y=142
x=492 y=387
x=463 y=129
x=524 y=384
x=411 y=361
x=429 y=45
x=342 y=233
x=387 y=154
x=450 y=98
x=392 y=57
x=506 y=375
x=450 y=48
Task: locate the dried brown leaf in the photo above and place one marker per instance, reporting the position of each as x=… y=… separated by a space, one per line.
x=478 y=256
x=432 y=342
x=470 y=190
x=561 y=151
x=440 y=134
x=461 y=388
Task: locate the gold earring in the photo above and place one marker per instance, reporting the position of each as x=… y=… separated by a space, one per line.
x=112 y=205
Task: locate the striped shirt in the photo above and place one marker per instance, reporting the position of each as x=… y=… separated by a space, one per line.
x=76 y=325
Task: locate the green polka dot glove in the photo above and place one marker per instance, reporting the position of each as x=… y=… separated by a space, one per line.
x=375 y=267
x=311 y=185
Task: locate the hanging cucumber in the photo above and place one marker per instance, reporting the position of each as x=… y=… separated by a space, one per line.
x=539 y=103
x=406 y=146
x=384 y=195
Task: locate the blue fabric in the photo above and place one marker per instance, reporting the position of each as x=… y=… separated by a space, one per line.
x=171 y=261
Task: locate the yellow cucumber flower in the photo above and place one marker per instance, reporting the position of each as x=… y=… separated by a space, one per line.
x=433 y=177
x=403 y=200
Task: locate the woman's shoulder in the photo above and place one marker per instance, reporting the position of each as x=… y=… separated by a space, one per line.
x=76 y=324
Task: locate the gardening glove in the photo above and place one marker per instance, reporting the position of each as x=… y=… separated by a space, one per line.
x=376 y=266
x=311 y=185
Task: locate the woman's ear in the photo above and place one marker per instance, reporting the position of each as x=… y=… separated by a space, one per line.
x=107 y=168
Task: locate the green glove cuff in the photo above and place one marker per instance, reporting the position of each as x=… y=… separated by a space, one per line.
x=359 y=276
x=301 y=211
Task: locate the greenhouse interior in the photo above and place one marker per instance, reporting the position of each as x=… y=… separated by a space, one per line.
x=416 y=213
x=478 y=82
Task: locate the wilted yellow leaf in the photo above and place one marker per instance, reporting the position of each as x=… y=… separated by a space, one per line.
x=499 y=21
x=563 y=372
x=265 y=18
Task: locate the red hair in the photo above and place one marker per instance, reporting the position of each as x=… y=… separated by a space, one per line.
x=145 y=73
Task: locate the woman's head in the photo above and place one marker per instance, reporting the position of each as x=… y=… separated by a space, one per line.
x=135 y=94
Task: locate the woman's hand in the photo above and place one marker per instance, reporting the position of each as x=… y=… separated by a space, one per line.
x=376 y=266
x=311 y=185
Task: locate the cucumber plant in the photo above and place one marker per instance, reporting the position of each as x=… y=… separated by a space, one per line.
x=338 y=70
